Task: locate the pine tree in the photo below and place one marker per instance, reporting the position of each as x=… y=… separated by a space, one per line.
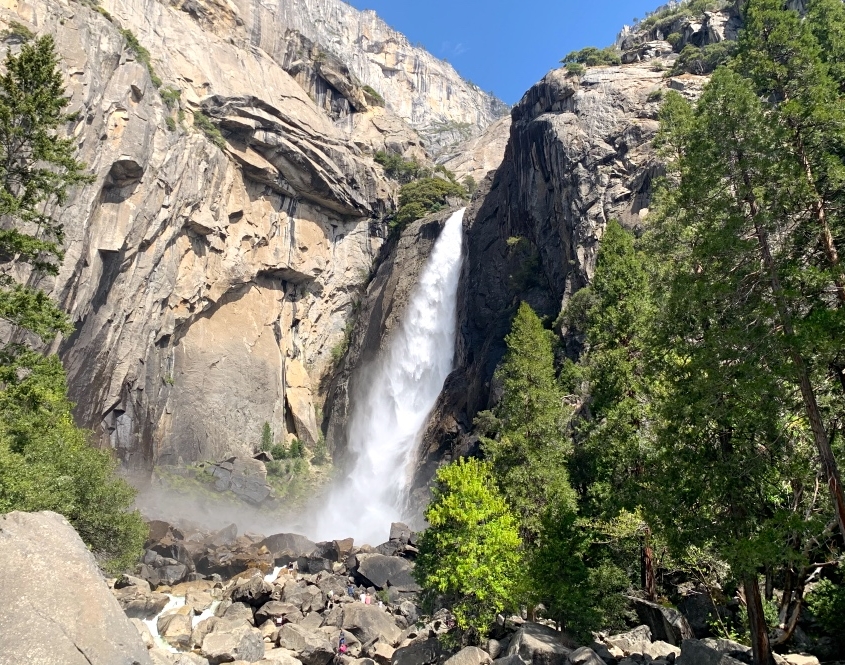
x=527 y=441
x=470 y=554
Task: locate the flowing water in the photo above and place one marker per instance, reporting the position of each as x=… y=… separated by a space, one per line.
x=394 y=398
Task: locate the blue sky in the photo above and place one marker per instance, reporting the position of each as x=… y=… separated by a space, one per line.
x=507 y=45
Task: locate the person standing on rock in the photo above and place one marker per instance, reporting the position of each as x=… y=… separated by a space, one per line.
x=367 y=599
x=363 y=597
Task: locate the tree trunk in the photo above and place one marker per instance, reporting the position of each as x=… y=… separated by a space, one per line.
x=647 y=568
x=811 y=406
x=757 y=628
x=770 y=583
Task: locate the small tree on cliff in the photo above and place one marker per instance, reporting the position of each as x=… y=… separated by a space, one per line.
x=45 y=461
x=470 y=553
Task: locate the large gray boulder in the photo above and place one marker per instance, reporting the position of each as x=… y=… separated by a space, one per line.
x=470 y=656
x=245 y=476
x=368 y=622
x=229 y=642
x=666 y=624
x=696 y=652
x=585 y=656
x=383 y=571
x=633 y=641
x=287 y=547
x=311 y=648
x=49 y=578
x=539 y=645
x=425 y=652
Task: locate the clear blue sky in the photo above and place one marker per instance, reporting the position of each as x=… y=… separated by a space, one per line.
x=507 y=45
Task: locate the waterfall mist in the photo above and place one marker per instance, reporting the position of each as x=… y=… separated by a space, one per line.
x=393 y=399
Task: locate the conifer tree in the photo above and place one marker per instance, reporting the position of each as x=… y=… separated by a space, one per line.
x=527 y=442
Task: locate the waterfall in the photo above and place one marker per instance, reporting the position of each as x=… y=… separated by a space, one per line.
x=394 y=398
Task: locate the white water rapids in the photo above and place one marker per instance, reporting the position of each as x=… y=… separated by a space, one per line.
x=394 y=398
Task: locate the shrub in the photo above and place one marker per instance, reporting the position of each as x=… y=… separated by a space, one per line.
x=593 y=57
x=400 y=169
x=141 y=53
x=695 y=60
x=266 y=438
x=171 y=123
x=371 y=92
x=320 y=453
x=211 y=131
x=470 y=185
x=279 y=451
x=170 y=96
x=18 y=31
x=655 y=95
x=576 y=69
x=422 y=197
x=297 y=449
x=675 y=39
x=827 y=603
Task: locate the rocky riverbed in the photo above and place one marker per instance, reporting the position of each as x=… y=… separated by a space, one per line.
x=203 y=598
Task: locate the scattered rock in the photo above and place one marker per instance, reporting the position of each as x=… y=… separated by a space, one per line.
x=311 y=648
x=695 y=652
x=469 y=656
x=634 y=641
x=175 y=629
x=368 y=622
x=382 y=571
x=238 y=613
x=425 y=652
x=244 y=476
x=275 y=609
x=585 y=656
x=400 y=532
x=254 y=592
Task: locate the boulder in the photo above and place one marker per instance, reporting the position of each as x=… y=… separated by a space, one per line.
x=244 y=476
x=425 y=652
x=510 y=660
x=287 y=547
x=660 y=649
x=228 y=642
x=312 y=621
x=634 y=641
x=381 y=653
x=280 y=657
x=699 y=610
x=585 y=656
x=400 y=532
x=468 y=655
x=696 y=652
x=254 y=592
x=140 y=604
x=800 y=659
x=382 y=571
x=239 y=613
x=49 y=578
x=666 y=624
x=311 y=648
x=202 y=629
x=369 y=622
x=539 y=645
x=275 y=609
x=144 y=632
x=175 y=629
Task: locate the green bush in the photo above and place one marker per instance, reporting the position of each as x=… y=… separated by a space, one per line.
x=422 y=197
x=695 y=60
x=171 y=123
x=321 y=455
x=141 y=53
x=470 y=185
x=211 y=131
x=279 y=451
x=675 y=39
x=827 y=603
x=297 y=449
x=400 y=169
x=576 y=69
x=18 y=31
x=664 y=18
x=373 y=95
x=170 y=96
x=593 y=57
x=656 y=95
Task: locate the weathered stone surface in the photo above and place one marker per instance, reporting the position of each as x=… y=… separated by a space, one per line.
x=287 y=547
x=469 y=656
x=480 y=155
x=539 y=645
x=49 y=578
x=584 y=656
x=275 y=609
x=175 y=629
x=311 y=648
x=695 y=652
x=245 y=476
x=138 y=604
x=254 y=592
x=424 y=652
x=233 y=642
x=666 y=624
x=383 y=571
x=632 y=641
x=368 y=622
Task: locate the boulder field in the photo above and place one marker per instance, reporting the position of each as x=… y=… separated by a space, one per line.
x=205 y=599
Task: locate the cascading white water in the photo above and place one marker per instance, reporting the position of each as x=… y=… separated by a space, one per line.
x=395 y=396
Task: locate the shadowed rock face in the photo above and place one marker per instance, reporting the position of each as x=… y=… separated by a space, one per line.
x=579 y=154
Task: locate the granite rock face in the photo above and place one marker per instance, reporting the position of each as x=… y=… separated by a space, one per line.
x=579 y=154
x=207 y=285
x=480 y=155
x=55 y=606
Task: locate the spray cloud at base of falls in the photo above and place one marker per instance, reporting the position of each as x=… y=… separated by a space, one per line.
x=395 y=396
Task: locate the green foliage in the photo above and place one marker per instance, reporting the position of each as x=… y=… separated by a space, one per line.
x=374 y=96
x=211 y=131
x=400 y=169
x=142 y=54
x=470 y=185
x=705 y=60
x=279 y=451
x=339 y=350
x=423 y=197
x=267 y=438
x=593 y=57
x=297 y=449
x=46 y=463
x=576 y=69
x=171 y=124
x=689 y=9
x=656 y=95
x=525 y=434
x=827 y=603
x=170 y=96
x=470 y=553
x=18 y=31
x=321 y=455
x=675 y=39
x=581 y=594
